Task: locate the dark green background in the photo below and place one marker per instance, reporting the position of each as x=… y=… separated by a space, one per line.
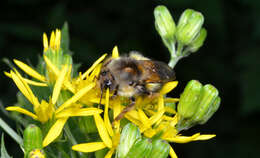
x=229 y=59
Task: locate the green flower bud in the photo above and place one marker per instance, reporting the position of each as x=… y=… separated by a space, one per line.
x=129 y=135
x=67 y=59
x=207 y=97
x=32 y=138
x=141 y=149
x=160 y=149
x=212 y=109
x=187 y=104
x=189 y=26
x=164 y=23
x=198 y=41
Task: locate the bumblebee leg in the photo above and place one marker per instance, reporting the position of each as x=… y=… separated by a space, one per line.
x=130 y=107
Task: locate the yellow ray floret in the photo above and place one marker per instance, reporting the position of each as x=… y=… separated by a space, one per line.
x=55 y=131
x=24 y=88
x=27 y=69
x=106 y=117
x=186 y=139
x=85 y=74
x=169 y=86
x=89 y=147
x=103 y=133
x=75 y=97
x=78 y=112
x=115 y=53
x=23 y=111
x=172 y=153
x=55 y=41
x=58 y=84
x=56 y=72
x=30 y=82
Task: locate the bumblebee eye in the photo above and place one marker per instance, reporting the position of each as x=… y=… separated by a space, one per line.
x=103 y=73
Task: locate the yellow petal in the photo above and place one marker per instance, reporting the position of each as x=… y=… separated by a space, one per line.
x=156 y=117
x=106 y=117
x=34 y=83
x=21 y=110
x=7 y=74
x=95 y=72
x=58 y=84
x=115 y=53
x=110 y=153
x=172 y=153
x=160 y=103
x=183 y=139
x=57 y=39
x=45 y=42
x=78 y=112
x=55 y=131
x=168 y=87
x=29 y=70
x=143 y=118
x=171 y=100
x=149 y=133
x=56 y=71
x=75 y=97
x=52 y=40
x=89 y=147
x=24 y=88
x=102 y=131
x=205 y=137
x=116 y=111
x=93 y=66
x=51 y=66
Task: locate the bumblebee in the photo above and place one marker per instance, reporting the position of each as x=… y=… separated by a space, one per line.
x=132 y=76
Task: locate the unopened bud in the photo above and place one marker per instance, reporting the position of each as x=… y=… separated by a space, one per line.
x=129 y=135
x=141 y=149
x=212 y=109
x=198 y=41
x=164 y=23
x=207 y=97
x=187 y=104
x=160 y=149
x=189 y=26
x=32 y=138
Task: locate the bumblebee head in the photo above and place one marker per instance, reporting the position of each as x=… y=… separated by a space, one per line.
x=107 y=80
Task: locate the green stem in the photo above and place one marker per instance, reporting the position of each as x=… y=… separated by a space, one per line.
x=179 y=50
x=11 y=132
x=71 y=137
x=69 y=134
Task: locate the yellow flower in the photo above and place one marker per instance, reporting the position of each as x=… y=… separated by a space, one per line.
x=110 y=137
x=45 y=110
x=54 y=43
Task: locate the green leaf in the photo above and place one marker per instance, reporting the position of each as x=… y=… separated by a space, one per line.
x=4 y=153
x=11 y=132
x=65 y=41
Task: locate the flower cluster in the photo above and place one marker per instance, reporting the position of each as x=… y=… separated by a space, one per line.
x=60 y=100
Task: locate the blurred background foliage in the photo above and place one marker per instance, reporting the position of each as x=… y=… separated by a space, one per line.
x=229 y=59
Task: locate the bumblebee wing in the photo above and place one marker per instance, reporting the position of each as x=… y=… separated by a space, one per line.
x=155 y=71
